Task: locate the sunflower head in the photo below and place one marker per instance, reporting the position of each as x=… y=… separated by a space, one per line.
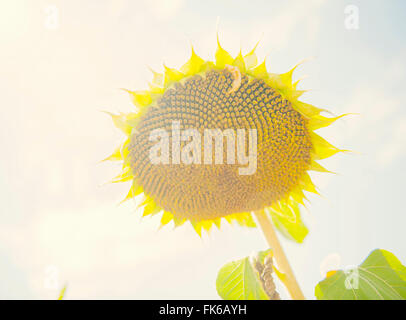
x=230 y=96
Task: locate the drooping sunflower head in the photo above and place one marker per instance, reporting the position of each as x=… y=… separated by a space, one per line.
x=256 y=113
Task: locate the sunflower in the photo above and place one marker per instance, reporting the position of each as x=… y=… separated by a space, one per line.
x=228 y=93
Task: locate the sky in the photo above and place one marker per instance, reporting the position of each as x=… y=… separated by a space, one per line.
x=62 y=63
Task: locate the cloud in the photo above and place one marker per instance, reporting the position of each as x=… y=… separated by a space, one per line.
x=164 y=9
x=381 y=123
x=281 y=27
x=396 y=145
x=105 y=252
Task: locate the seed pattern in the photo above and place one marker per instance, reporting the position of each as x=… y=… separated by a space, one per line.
x=212 y=101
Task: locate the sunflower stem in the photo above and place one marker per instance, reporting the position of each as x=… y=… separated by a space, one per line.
x=279 y=255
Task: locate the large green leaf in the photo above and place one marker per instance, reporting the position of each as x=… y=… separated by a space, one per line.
x=380 y=277
x=239 y=280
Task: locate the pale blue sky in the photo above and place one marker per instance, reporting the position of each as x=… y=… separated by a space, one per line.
x=58 y=213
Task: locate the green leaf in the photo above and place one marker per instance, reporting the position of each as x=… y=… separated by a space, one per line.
x=288 y=222
x=380 y=277
x=239 y=280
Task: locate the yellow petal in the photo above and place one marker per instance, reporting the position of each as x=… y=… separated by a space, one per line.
x=166 y=218
x=287 y=77
x=197 y=226
x=150 y=208
x=222 y=56
x=124 y=151
x=239 y=62
x=318 y=167
x=318 y=121
x=178 y=221
x=194 y=64
x=134 y=191
x=295 y=94
x=158 y=78
x=124 y=176
x=298 y=196
x=115 y=156
x=275 y=81
x=260 y=71
x=155 y=90
x=140 y=98
x=251 y=59
x=207 y=224
x=120 y=121
x=207 y=65
x=307 y=184
x=321 y=148
x=245 y=220
x=295 y=84
x=306 y=109
x=172 y=75
x=230 y=218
